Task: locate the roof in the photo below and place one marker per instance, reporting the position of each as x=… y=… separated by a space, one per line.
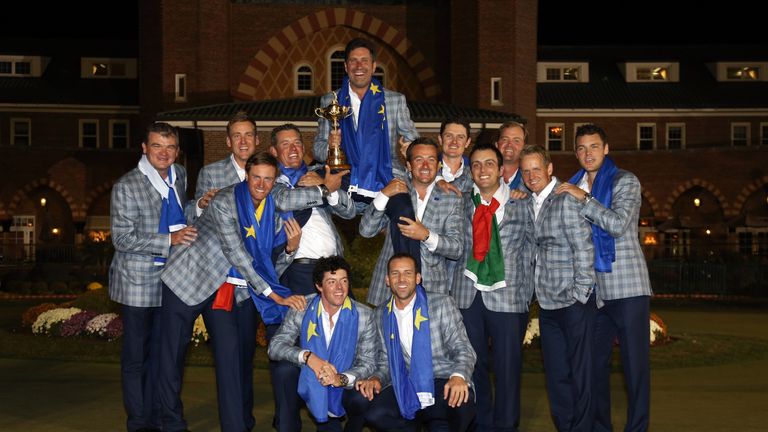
x=698 y=87
x=303 y=108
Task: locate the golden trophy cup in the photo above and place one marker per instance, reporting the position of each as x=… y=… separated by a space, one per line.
x=334 y=113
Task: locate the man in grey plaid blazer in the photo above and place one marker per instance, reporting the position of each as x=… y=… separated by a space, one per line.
x=495 y=309
x=241 y=141
x=563 y=278
x=623 y=292
x=438 y=226
x=134 y=278
x=360 y=64
x=331 y=278
x=193 y=277
x=453 y=358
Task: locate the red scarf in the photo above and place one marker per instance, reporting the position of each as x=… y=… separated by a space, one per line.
x=482 y=222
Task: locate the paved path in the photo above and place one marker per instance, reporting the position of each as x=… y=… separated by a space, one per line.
x=42 y=396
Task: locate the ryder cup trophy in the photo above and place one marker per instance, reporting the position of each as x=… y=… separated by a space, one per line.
x=334 y=113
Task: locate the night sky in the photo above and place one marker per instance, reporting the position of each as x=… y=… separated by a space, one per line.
x=560 y=22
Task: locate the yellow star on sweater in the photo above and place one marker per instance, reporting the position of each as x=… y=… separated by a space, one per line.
x=250 y=231
x=375 y=88
x=418 y=319
x=312 y=330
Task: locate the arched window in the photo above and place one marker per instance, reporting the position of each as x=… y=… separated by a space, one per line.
x=379 y=74
x=303 y=79
x=337 y=73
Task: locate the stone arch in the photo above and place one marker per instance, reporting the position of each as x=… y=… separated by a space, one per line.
x=746 y=192
x=652 y=201
x=255 y=72
x=683 y=187
x=78 y=212
x=95 y=194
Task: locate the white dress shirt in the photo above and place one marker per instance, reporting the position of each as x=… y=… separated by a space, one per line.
x=538 y=199
x=354 y=102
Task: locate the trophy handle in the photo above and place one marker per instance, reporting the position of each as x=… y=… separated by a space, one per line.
x=319 y=112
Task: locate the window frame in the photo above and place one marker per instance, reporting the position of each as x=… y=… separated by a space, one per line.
x=497 y=99
x=632 y=68
x=80 y=133
x=297 y=74
x=12 y=130
x=331 y=61
x=682 y=135
x=763 y=134
x=748 y=138
x=542 y=67
x=547 y=126
x=181 y=87
x=112 y=123
x=639 y=138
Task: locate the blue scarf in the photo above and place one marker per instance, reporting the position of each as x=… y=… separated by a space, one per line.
x=259 y=239
x=293 y=174
x=602 y=190
x=417 y=384
x=341 y=353
x=517 y=181
x=367 y=147
x=171 y=215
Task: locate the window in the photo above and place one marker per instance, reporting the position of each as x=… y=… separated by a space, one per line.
x=646 y=136
x=23 y=65
x=741 y=71
x=89 y=134
x=496 y=91
x=739 y=134
x=555 y=134
x=651 y=72
x=751 y=73
x=379 y=74
x=91 y=67
x=304 y=79
x=118 y=134
x=337 y=72
x=181 y=87
x=21 y=132
x=675 y=136
x=745 y=243
x=562 y=72
x=6 y=67
x=23 y=68
x=764 y=134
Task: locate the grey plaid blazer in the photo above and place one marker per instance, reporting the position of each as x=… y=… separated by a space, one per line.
x=195 y=272
x=516 y=249
x=134 y=280
x=288 y=198
x=563 y=252
x=629 y=275
x=216 y=175
x=285 y=343
x=398 y=121
x=442 y=216
x=451 y=351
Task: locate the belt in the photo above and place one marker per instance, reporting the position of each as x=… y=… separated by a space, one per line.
x=304 y=261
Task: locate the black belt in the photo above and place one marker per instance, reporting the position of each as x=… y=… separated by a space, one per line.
x=305 y=261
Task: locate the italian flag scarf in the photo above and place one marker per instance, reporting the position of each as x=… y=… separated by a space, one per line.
x=485 y=266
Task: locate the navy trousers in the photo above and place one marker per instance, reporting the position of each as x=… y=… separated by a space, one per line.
x=298 y=277
x=628 y=320
x=384 y=415
x=177 y=322
x=506 y=331
x=566 y=345
x=139 y=363
x=247 y=324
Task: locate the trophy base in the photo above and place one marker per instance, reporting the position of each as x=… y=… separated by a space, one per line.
x=340 y=167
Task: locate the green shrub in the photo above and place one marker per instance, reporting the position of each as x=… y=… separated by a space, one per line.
x=96 y=301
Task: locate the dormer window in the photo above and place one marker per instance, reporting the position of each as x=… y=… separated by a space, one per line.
x=741 y=71
x=751 y=73
x=562 y=72
x=22 y=66
x=91 y=67
x=651 y=72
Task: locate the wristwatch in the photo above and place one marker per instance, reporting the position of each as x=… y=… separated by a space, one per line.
x=324 y=190
x=427 y=237
x=343 y=380
x=587 y=197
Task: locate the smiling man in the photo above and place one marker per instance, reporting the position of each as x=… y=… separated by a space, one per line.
x=513 y=136
x=328 y=346
x=454 y=139
x=437 y=227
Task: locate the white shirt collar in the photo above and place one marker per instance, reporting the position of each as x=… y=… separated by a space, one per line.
x=501 y=195
x=240 y=171
x=545 y=192
x=448 y=175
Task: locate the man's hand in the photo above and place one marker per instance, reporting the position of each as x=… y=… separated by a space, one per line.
x=295 y=302
x=334 y=138
x=206 y=199
x=572 y=189
x=293 y=233
x=394 y=187
x=517 y=194
x=403 y=146
x=310 y=179
x=333 y=181
x=412 y=229
x=324 y=371
x=456 y=391
x=448 y=187
x=185 y=236
x=368 y=387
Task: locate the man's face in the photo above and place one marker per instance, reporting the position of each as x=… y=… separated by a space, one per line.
x=454 y=140
x=261 y=179
x=359 y=67
x=510 y=143
x=402 y=278
x=591 y=151
x=423 y=164
x=535 y=175
x=289 y=149
x=485 y=170
x=242 y=140
x=335 y=289
x=161 y=151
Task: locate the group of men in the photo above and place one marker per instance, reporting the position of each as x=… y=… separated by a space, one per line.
x=472 y=236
